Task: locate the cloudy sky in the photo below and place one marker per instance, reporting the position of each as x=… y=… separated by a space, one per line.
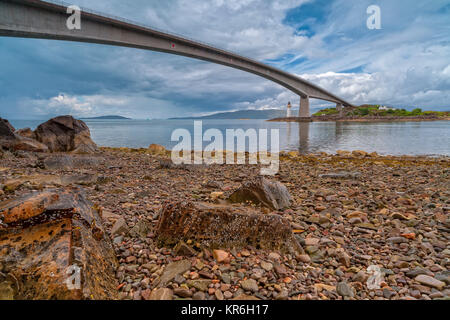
x=406 y=63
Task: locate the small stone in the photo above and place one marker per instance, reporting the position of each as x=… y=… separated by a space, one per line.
x=304 y=258
x=360 y=277
x=245 y=253
x=387 y=293
x=227 y=295
x=220 y=255
x=182 y=249
x=199 y=296
x=226 y=278
x=250 y=285
x=161 y=294
x=274 y=256
x=172 y=270
x=6 y=291
x=266 y=266
x=430 y=281
x=344 y=290
x=219 y=295
x=344 y=259
x=201 y=285
x=119 y=227
x=312 y=241
x=182 y=292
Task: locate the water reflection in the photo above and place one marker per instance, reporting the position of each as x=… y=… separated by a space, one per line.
x=383 y=137
x=303 y=137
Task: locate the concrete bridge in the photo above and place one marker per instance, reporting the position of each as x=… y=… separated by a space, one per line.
x=48 y=20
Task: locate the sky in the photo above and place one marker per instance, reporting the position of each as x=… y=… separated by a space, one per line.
x=406 y=63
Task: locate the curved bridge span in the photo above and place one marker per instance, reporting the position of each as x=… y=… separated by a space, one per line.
x=47 y=20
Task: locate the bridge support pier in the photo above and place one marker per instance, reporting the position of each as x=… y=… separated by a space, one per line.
x=304 y=107
x=340 y=109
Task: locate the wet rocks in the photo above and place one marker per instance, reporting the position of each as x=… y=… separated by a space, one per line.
x=66 y=134
x=220 y=226
x=273 y=195
x=47 y=238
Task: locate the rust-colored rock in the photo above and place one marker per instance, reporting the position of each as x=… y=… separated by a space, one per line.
x=66 y=134
x=27 y=207
x=273 y=195
x=44 y=252
x=157 y=149
x=221 y=226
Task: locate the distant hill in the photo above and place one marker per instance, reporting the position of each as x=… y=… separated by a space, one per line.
x=244 y=114
x=107 y=118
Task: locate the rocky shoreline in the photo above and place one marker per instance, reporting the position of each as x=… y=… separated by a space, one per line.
x=346 y=212
x=333 y=118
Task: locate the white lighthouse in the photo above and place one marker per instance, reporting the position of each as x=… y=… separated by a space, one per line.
x=289 y=110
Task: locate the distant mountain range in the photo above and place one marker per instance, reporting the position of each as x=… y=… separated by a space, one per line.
x=244 y=114
x=107 y=118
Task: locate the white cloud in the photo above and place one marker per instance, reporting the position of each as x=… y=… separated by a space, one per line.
x=406 y=63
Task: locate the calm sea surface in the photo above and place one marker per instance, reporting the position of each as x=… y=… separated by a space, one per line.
x=394 y=138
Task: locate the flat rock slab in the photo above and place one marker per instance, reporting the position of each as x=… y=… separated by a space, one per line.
x=270 y=194
x=55 y=246
x=69 y=162
x=27 y=207
x=340 y=175
x=222 y=226
x=55 y=180
x=172 y=270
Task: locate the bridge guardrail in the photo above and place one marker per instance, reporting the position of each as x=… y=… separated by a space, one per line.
x=143 y=25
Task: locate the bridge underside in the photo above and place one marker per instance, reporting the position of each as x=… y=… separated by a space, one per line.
x=44 y=20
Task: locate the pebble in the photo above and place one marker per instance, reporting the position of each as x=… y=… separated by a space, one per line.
x=430 y=281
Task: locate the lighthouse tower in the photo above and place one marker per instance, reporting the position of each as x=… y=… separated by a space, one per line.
x=289 y=110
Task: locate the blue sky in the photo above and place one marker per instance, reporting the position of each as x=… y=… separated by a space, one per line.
x=406 y=63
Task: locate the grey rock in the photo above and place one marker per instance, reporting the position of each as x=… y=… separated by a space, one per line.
x=250 y=285
x=141 y=229
x=119 y=227
x=344 y=289
x=262 y=191
x=340 y=175
x=430 y=281
x=173 y=269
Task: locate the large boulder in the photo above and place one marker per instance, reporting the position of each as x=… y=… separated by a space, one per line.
x=66 y=134
x=224 y=226
x=273 y=195
x=6 y=129
x=11 y=141
x=53 y=246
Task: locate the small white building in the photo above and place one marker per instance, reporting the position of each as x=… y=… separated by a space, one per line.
x=384 y=108
x=289 y=110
